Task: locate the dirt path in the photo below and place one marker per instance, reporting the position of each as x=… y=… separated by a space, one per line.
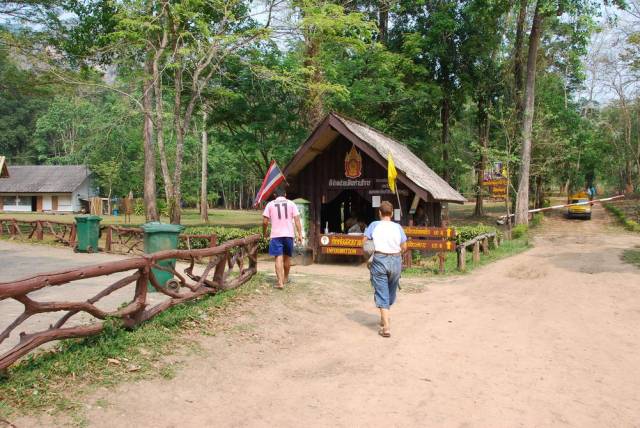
x=546 y=338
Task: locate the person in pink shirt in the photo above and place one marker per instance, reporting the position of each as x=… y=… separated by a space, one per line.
x=283 y=215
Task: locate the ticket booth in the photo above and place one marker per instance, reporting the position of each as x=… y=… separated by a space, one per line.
x=342 y=171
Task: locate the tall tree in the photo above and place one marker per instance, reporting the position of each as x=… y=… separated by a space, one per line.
x=522 y=200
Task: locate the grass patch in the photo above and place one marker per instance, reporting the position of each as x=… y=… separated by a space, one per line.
x=632 y=256
x=507 y=249
x=54 y=380
x=622 y=217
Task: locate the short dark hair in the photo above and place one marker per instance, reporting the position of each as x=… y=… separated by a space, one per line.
x=386 y=209
x=280 y=191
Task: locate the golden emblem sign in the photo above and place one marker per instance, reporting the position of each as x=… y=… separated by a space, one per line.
x=353 y=164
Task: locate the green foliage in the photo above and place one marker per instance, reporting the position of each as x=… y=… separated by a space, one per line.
x=466 y=233
x=620 y=214
x=632 y=256
x=138 y=207
x=536 y=220
x=508 y=248
x=225 y=234
x=519 y=231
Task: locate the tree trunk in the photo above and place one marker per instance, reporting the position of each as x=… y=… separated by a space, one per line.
x=164 y=164
x=628 y=176
x=204 y=205
x=518 y=74
x=150 y=207
x=174 y=207
x=313 y=108
x=383 y=21
x=539 y=202
x=445 y=115
x=483 y=136
x=522 y=202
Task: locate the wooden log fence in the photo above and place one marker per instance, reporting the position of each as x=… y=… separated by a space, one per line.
x=65 y=233
x=218 y=275
x=117 y=239
x=480 y=243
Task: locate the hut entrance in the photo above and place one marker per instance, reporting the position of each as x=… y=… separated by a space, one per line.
x=348 y=211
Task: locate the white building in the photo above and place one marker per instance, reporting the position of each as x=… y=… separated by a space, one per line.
x=46 y=188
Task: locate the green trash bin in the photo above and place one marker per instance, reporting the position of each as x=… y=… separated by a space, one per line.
x=88 y=233
x=159 y=237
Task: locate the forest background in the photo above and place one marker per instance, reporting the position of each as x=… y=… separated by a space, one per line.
x=186 y=102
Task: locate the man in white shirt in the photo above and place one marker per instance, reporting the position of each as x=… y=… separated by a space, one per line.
x=390 y=242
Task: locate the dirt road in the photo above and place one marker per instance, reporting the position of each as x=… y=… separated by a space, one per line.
x=546 y=338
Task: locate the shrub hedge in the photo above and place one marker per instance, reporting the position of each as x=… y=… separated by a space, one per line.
x=224 y=234
x=465 y=233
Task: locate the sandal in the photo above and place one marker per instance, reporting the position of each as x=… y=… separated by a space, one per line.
x=384 y=333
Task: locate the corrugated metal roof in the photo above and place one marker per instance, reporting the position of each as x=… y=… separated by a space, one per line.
x=44 y=178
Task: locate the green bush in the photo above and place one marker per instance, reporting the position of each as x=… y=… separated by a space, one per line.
x=631 y=225
x=138 y=207
x=536 y=219
x=519 y=231
x=465 y=233
x=224 y=234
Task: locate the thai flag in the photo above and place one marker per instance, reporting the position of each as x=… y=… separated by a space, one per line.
x=272 y=180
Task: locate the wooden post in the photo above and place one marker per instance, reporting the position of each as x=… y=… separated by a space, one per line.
x=476 y=252
x=485 y=245
x=39 y=231
x=462 y=258
x=407 y=261
x=72 y=236
x=108 y=239
x=213 y=240
x=497 y=240
x=441 y=258
x=16 y=228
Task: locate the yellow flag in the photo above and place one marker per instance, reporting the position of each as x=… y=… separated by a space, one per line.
x=391 y=174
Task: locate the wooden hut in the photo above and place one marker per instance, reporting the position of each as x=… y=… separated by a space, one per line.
x=342 y=171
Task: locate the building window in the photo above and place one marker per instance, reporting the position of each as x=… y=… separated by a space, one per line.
x=10 y=201
x=24 y=200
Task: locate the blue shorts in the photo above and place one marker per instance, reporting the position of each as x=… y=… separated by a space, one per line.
x=385 y=278
x=281 y=246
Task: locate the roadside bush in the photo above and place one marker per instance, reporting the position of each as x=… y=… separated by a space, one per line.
x=224 y=234
x=631 y=225
x=465 y=233
x=536 y=220
x=138 y=207
x=519 y=231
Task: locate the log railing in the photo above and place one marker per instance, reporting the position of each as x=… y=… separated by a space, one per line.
x=64 y=233
x=117 y=239
x=123 y=240
x=217 y=275
x=480 y=242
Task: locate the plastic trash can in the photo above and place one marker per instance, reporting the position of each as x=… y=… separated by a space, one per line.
x=88 y=233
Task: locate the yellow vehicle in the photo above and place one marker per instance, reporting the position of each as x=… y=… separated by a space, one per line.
x=579 y=211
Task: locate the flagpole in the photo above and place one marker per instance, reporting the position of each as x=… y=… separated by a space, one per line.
x=399 y=204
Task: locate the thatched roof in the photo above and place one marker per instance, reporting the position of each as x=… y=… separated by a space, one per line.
x=44 y=178
x=4 y=172
x=413 y=172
